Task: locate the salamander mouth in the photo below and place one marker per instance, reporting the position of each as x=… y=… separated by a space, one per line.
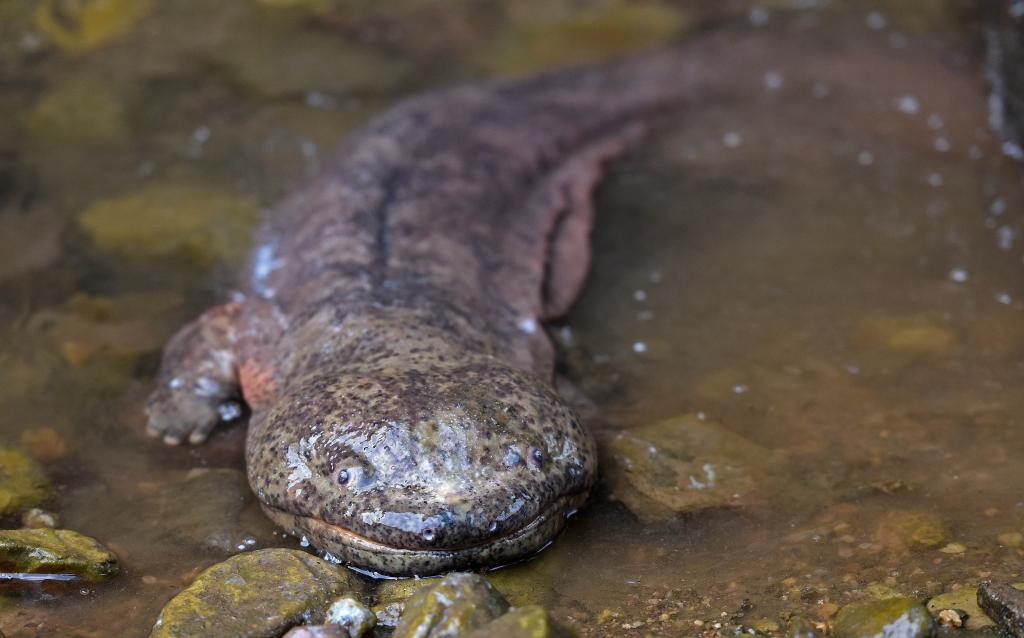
x=380 y=559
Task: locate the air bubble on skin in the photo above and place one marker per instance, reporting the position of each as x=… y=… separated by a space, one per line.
x=852 y=368
x=998 y=206
x=759 y=16
x=1016 y=9
x=942 y=144
x=935 y=121
x=908 y=104
x=959 y=275
x=207 y=387
x=175 y=383
x=640 y=294
x=644 y=315
x=654 y=276
x=1005 y=237
x=875 y=21
x=1013 y=150
x=991 y=223
x=318 y=100
x=773 y=80
x=732 y=139
x=865 y=158
x=740 y=388
x=1004 y=298
x=639 y=347
x=935 y=180
x=528 y=325
x=304 y=542
x=974 y=152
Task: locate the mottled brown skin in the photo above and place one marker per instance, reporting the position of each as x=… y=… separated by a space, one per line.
x=403 y=416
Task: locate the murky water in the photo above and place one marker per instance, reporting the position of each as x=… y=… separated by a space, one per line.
x=827 y=273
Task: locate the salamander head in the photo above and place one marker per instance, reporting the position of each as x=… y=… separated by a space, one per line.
x=422 y=471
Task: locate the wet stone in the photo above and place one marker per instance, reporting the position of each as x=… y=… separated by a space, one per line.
x=353 y=616
x=456 y=604
x=888 y=618
x=22 y=482
x=255 y=595
x=531 y=621
x=963 y=600
x=56 y=551
x=1004 y=604
x=684 y=465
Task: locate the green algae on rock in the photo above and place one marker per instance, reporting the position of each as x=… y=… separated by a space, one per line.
x=531 y=621
x=684 y=464
x=455 y=604
x=22 y=482
x=557 y=35
x=912 y=529
x=255 y=595
x=887 y=618
x=56 y=551
x=80 y=25
x=194 y=221
x=79 y=112
x=964 y=599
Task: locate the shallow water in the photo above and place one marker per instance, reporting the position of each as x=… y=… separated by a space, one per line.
x=830 y=269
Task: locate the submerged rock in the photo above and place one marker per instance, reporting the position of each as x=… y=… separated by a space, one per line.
x=56 y=551
x=531 y=621
x=888 y=618
x=255 y=595
x=22 y=482
x=196 y=222
x=452 y=606
x=684 y=465
x=962 y=600
x=81 y=25
x=79 y=112
x=319 y=631
x=542 y=39
x=912 y=529
x=1004 y=604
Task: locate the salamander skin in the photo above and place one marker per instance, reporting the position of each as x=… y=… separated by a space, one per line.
x=389 y=343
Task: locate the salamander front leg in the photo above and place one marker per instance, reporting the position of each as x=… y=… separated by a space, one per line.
x=197 y=386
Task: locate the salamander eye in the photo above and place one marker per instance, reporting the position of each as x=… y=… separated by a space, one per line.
x=343 y=477
x=536 y=456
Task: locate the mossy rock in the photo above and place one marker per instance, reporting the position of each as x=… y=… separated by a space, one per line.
x=964 y=599
x=56 y=551
x=912 y=529
x=886 y=618
x=255 y=595
x=531 y=621
x=201 y=223
x=79 y=112
x=451 y=606
x=22 y=482
x=548 y=37
x=684 y=465
x=77 y=26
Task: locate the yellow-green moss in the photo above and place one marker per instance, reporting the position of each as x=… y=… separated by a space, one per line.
x=56 y=551
x=22 y=482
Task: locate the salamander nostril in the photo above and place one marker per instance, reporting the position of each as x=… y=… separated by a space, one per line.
x=427 y=534
x=343 y=477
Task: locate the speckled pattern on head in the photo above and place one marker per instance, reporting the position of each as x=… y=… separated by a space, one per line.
x=390 y=342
